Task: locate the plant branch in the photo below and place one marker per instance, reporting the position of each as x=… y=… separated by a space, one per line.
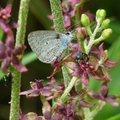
x=16 y=82
x=68 y=89
x=57 y=16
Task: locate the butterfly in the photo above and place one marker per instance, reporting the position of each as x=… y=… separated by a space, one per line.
x=49 y=45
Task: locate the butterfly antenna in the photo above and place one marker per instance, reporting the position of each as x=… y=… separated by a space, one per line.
x=73 y=26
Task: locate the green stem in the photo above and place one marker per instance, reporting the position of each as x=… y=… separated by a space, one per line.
x=92 y=37
x=16 y=82
x=66 y=77
x=77 y=15
x=15 y=98
x=90 y=115
x=68 y=89
x=57 y=15
x=59 y=27
x=22 y=21
x=82 y=46
x=98 y=40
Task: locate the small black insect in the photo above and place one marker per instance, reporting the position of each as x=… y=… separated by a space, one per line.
x=82 y=56
x=7 y=79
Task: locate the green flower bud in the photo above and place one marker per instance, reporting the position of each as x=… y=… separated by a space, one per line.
x=106 y=33
x=85 y=20
x=100 y=15
x=97 y=13
x=105 y=23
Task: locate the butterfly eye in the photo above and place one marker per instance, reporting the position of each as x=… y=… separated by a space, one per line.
x=67 y=33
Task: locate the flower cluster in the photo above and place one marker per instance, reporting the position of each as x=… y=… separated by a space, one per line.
x=62 y=111
x=83 y=61
x=6 y=21
x=8 y=51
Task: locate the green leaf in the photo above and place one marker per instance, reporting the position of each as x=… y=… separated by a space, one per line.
x=28 y=58
x=40 y=10
x=116 y=117
x=114 y=54
x=1 y=33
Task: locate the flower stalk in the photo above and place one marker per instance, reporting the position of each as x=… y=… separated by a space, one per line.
x=77 y=15
x=16 y=82
x=59 y=27
x=57 y=15
x=68 y=89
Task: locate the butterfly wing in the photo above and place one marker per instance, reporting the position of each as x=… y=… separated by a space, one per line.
x=48 y=45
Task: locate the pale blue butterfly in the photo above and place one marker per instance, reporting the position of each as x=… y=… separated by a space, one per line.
x=49 y=45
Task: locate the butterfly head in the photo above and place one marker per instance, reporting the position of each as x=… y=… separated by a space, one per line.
x=68 y=33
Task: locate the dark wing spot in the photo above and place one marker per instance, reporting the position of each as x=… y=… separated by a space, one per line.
x=57 y=36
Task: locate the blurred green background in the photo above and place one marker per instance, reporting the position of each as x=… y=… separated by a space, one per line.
x=38 y=20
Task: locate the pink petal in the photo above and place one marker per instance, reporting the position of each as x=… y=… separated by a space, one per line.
x=104 y=89
x=74 y=2
x=56 y=117
x=109 y=64
x=45 y=92
x=50 y=17
x=27 y=92
x=8 y=8
x=9 y=42
x=101 y=50
x=94 y=75
x=52 y=81
x=85 y=78
x=15 y=25
x=67 y=22
x=38 y=118
x=112 y=102
x=18 y=65
x=86 y=104
x=19 y=49
x=5 y=27
x=5 y=65
x=47 y=110
x=2 y=50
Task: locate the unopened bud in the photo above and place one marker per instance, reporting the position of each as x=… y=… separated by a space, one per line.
x=85 y=20
x=105 y=23
x=100 y=14
x=81 y=33
x=106 y=33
